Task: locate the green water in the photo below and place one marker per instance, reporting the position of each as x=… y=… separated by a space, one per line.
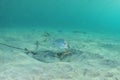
x=59 y=39
x=94 y=15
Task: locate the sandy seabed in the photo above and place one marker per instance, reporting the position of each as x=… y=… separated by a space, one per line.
x=97 y=58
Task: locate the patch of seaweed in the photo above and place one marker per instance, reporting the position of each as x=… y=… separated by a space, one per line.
x=46 y=34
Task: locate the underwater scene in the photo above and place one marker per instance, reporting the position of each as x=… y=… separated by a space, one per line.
x=59 y=39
